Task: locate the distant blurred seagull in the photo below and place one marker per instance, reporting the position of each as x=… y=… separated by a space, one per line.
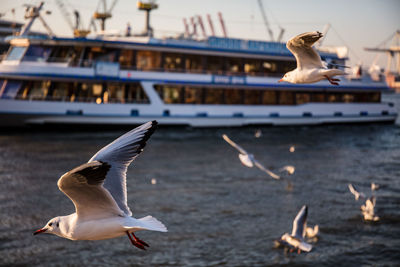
x=98 y=191
x=374 y=186
x=368 y=210
x=310 y=68
x=248 y=159
x=258 y=133
x=311 y=232
x=296 y=239
x=356 y=194
x=288 y=169
x=292 y=149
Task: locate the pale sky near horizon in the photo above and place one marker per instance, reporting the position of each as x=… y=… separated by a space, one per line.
x=354 y=23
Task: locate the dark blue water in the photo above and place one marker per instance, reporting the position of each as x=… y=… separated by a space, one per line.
x=218 y=212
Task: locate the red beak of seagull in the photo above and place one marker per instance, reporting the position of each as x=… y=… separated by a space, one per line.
x=40 y=231
x=281 y=80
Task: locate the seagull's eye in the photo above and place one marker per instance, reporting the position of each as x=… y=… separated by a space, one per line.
x=58 y=225
x=50 y=224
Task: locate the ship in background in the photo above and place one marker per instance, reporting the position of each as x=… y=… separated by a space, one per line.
x=114 y=79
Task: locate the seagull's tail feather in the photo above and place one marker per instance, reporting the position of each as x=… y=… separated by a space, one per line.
x=146 y=223
x=151 y=223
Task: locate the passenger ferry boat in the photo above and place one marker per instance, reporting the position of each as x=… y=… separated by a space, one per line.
x=122 y=80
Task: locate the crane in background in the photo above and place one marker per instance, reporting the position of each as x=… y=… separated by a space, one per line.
x=267 y=26
x=76 y=28
x=105 y=14
x=147 y=7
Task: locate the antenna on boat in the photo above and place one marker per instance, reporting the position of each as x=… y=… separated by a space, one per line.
x=194 y=25
x=105 y=14
x=221 y=20
x=33 y=12
x=210 y=23
x=186 y=27
x=148 y=7
x=200 y=20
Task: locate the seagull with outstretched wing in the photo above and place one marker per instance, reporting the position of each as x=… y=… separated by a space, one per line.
x=248 y=159
x=310 y=68
x=98 y=191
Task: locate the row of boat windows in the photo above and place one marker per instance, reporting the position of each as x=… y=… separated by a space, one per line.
x=171 y=94
x=151 y=60
x=199 y=95
x=73 y=91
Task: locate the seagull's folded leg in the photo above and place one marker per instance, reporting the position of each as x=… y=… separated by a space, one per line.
x=332 y=81
x=136 y=241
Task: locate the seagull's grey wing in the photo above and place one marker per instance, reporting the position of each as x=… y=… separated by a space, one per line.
x=84 y=186
x=261 y=167
x=301 y=47
x=299 y=223
x=240 y=149
x=119 y=154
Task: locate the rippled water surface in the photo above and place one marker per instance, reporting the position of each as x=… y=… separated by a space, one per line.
x=218 y=212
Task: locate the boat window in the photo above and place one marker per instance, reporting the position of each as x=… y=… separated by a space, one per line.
x=115 y=93
x=171 y=94
x=234 y=65
x=213 y=96
x=60 y=91
x=268 y=67
x=334 y=97
x=285 y=66
x=148 y=60
x=348 y=98
x=172 y=61
x=9 y=89
x=135 y=94
x=38 y=90
x=302 y=98
x=64 y=54
x=286 y=98
x=194 y=63
x=252 y=97
x=37 y=53
x=193 y=95
x=251 y=66
x=16 y=53
x=269 y=98
x=215 y=64
x=367 y=97
x=127 y=59
x=233 y=96
x=317 y=97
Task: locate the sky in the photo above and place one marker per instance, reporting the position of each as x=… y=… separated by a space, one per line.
x=354 y=23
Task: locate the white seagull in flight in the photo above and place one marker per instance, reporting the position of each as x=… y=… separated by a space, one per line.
x=98 y=190
x=310 y=68
x=247 y=159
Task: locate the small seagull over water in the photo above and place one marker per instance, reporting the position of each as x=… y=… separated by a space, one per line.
x=296 y=239
x=98 y=190
x=247 y=159
x=310 y=68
